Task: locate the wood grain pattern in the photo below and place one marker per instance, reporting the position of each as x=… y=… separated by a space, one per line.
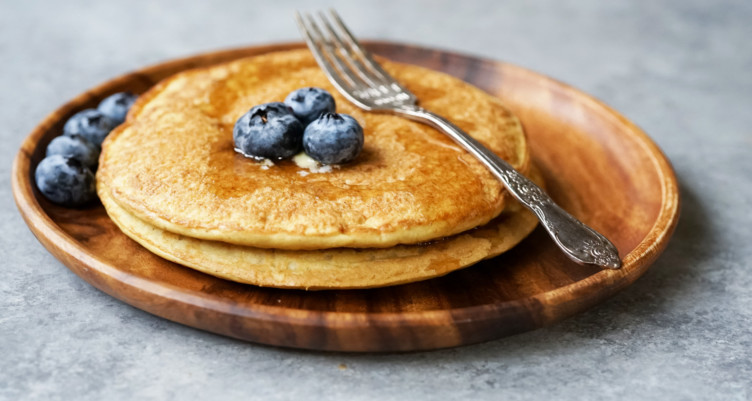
x=597 y=165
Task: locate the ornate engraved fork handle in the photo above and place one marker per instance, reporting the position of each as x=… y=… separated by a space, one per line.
x=580 y=242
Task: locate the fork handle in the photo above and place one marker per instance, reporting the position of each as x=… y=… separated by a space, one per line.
x=578 y=241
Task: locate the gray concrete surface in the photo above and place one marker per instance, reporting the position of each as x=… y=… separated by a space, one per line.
x=680 y=69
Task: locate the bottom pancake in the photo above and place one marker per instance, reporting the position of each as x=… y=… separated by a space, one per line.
x=336 y=268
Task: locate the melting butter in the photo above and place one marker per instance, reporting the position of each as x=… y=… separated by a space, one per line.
x=306 y=162
x=266 y=163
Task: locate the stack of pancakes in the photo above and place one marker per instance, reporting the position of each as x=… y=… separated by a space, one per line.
x=412 y=206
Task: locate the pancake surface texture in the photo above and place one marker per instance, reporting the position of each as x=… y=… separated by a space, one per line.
x=172 y=163
x=338 y=268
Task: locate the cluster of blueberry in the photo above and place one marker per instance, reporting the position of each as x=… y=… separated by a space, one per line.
x=66 y=175
x=306 y=120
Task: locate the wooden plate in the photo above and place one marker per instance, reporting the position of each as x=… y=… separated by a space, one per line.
x=597 y=165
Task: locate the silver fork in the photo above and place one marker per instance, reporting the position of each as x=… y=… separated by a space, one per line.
x=362 y=81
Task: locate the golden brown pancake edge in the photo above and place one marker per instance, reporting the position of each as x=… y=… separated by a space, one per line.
x=339 y=268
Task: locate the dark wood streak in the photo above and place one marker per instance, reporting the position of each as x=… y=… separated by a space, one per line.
x=530 y=286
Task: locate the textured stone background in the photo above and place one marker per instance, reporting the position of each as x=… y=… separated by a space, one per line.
x=680 y=69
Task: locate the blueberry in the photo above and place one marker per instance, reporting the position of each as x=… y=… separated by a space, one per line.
x=116 y=106
x=74 y=146
x=309 y=103
x=65 y=181
x=333 y=139
x=90 y=124
x=268 y=131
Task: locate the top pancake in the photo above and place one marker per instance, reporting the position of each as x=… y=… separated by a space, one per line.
x=172 y=162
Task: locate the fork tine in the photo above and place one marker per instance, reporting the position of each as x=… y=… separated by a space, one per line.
x=329 y=50
x=365 y=55
x=313 y=45
x=348 y=54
